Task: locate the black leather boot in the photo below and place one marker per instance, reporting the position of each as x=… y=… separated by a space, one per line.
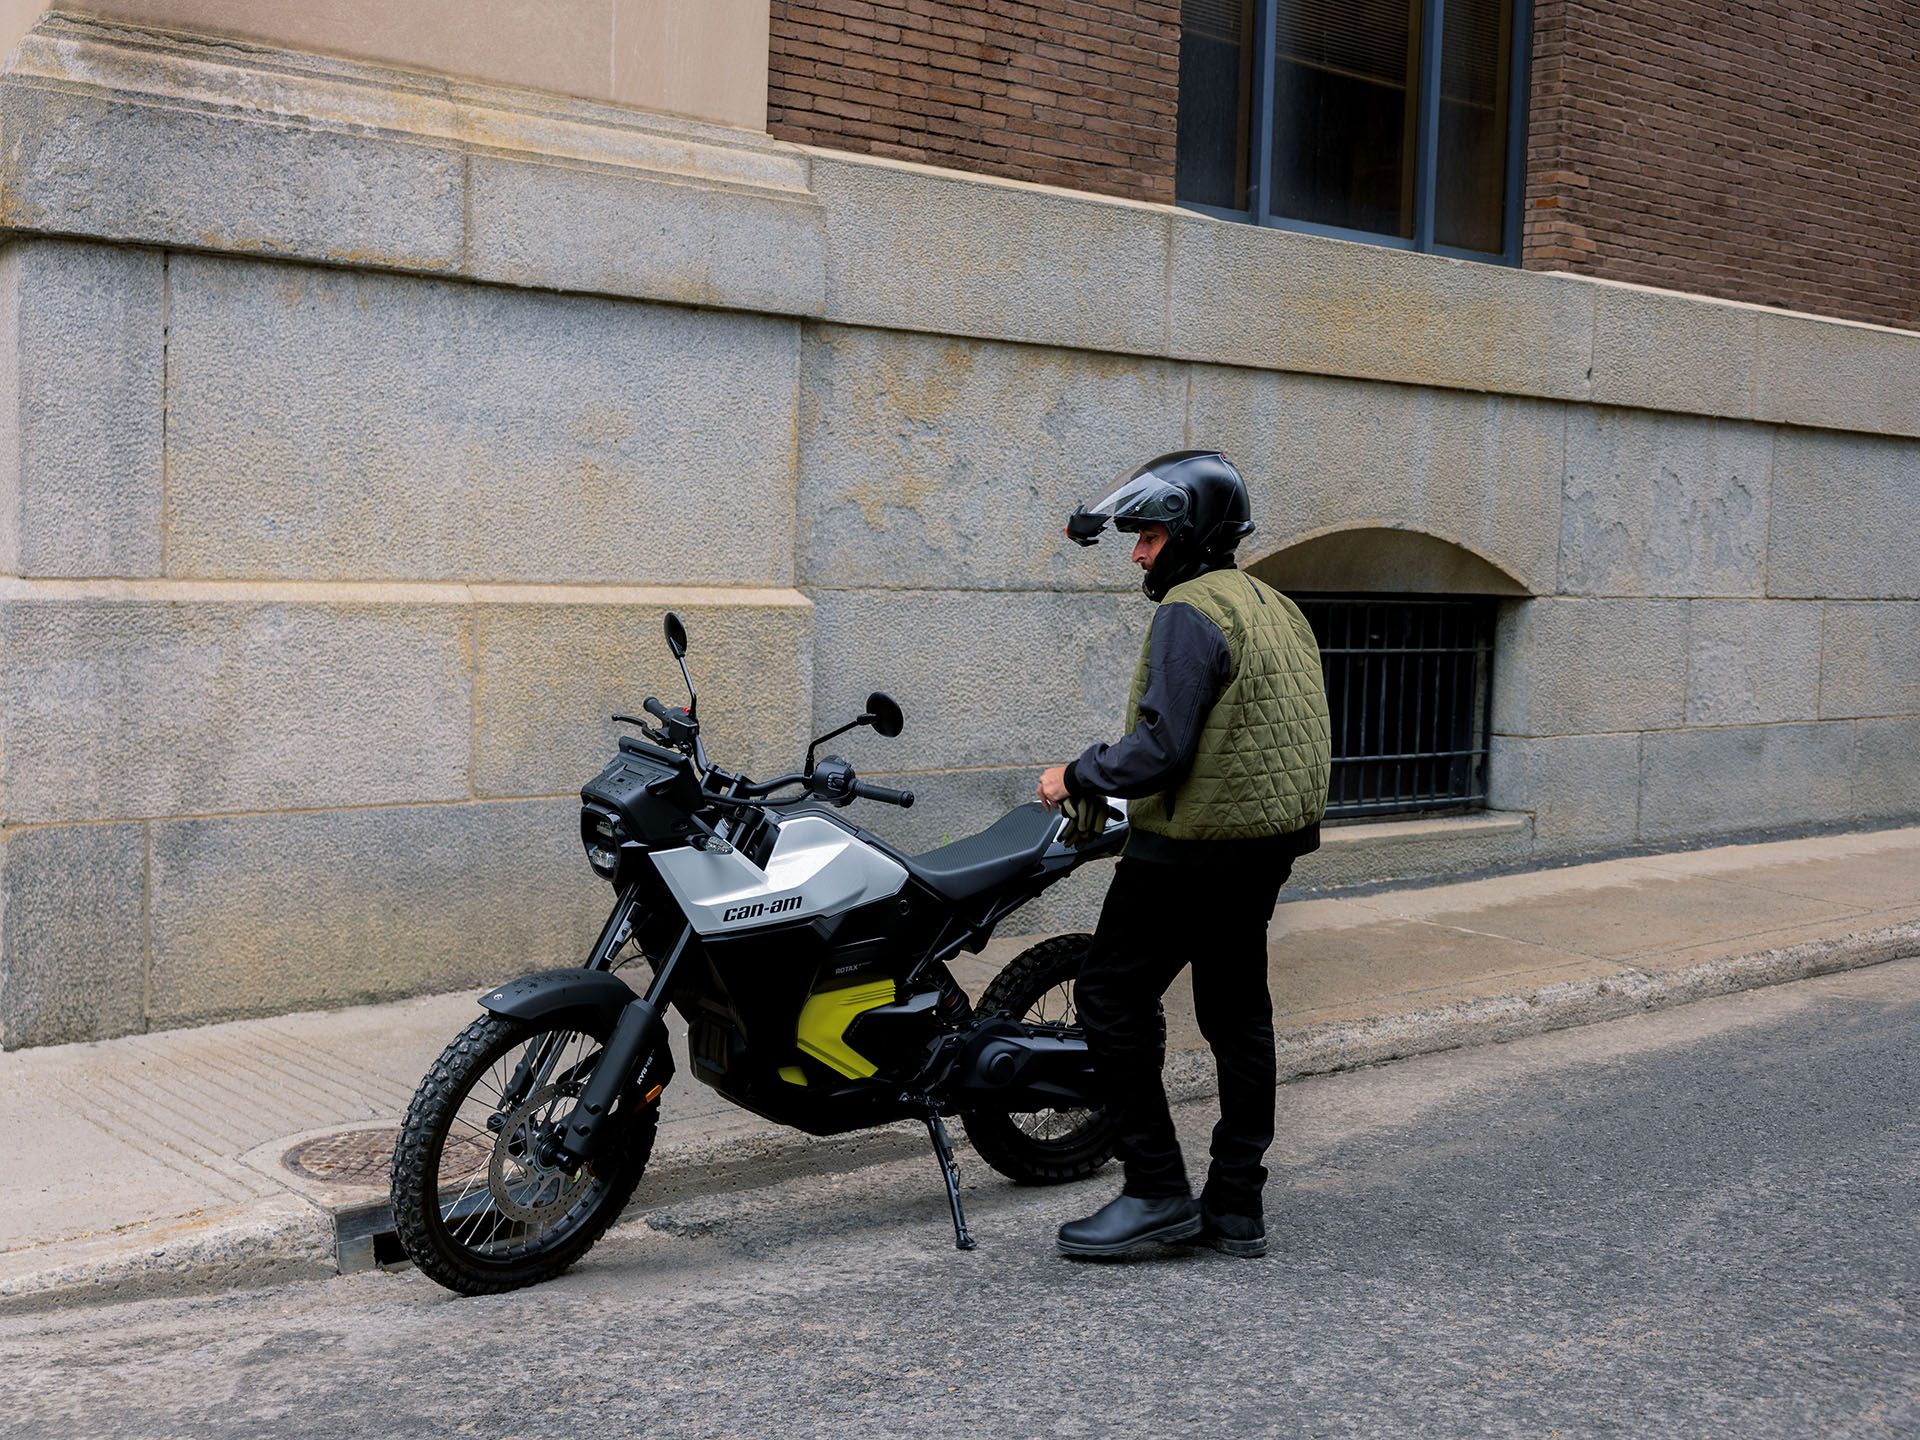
x=1242 y=1236
x=1128 y=1223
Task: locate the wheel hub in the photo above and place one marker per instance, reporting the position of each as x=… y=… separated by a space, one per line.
x=524 y=1189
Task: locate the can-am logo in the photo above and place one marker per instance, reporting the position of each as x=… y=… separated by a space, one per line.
x=758 y=908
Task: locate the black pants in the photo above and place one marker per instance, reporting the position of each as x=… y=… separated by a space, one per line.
x=1157 y=920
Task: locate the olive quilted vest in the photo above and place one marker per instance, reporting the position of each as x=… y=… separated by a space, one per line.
x=1265 y=751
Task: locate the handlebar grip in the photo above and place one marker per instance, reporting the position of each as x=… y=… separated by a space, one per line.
x=902 y=798
x=654 y=707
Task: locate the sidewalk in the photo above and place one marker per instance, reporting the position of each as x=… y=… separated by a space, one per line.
x=256 y=1149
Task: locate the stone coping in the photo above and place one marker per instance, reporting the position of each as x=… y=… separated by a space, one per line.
x=108 y=129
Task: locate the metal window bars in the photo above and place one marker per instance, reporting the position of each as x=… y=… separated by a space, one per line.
x=1409 y=682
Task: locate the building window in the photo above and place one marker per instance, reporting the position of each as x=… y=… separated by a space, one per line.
x=1395 y=121
x=1409 y=682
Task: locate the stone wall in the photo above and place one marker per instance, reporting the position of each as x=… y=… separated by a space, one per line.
x=348 y=461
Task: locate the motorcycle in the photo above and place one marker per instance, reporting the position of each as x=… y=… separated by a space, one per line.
x=809 y=960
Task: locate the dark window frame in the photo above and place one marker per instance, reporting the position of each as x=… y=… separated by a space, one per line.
x=1426 y=142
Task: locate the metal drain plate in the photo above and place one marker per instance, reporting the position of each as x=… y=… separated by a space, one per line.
x=350 y=1157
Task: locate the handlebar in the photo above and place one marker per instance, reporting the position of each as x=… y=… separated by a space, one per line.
x=833 y=779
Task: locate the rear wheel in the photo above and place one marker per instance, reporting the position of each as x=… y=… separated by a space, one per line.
x=1041 y=1147
x=472 y=1202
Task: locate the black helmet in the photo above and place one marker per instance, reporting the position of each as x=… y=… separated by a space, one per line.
x=1196 y=494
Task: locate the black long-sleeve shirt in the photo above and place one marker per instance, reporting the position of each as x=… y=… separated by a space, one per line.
x=1188 y=664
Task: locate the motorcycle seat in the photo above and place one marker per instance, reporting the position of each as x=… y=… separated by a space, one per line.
x=978 y=863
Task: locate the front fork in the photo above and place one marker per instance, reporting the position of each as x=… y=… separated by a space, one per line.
x=635 y=1053
x=536 y=1066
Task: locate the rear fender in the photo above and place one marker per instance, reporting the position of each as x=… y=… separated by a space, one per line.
x=588 y=1000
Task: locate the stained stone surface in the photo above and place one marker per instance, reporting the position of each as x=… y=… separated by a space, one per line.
x=1257 y=295
x=81 y=409
x=72 y=934
x=1753 y=660
x=258 y=914
x=932 y=462
x=910 y=248
x=623 y=232
x=1870 y=663
x=117 y=708
x=1663 y=505
x=1576 y=667
x=1665 y=351
x=1583 y=790
x=331 y=425
x=1886 y=777
x=1836 y=374
x=1744 y=777
x=1845 y=510
x=549 y=677
x=986 y=678
x=91 y=164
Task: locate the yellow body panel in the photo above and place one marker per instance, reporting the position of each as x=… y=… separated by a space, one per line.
x=822 y=1030
x=793 y=1075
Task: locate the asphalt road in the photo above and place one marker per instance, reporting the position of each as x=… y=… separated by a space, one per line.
x=1698 y=1222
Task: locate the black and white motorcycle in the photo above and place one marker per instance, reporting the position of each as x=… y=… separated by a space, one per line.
x=809 y=960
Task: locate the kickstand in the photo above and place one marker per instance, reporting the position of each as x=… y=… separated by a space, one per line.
x=950 y=1172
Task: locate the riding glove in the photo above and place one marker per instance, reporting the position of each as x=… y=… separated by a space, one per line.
x=1086 y=819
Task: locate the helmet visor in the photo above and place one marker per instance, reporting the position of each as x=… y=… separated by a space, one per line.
x=1139 y=499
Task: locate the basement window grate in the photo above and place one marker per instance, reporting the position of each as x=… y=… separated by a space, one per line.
x=1409 y=683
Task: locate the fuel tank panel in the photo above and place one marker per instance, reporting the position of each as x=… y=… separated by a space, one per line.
x=815 y=868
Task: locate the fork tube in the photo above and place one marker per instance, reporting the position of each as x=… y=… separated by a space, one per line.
x=536 y=1065
x=638 y=1035
x=614 y=933
x=657 y=992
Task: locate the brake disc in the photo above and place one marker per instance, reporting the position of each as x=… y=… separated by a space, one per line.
x=532 y=1194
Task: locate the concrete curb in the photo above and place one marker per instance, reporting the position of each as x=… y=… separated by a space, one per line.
x=1486 y=1020
x=266 y=1242
x=286 y=1238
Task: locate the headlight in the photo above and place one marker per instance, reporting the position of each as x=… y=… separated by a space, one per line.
x=602 y=834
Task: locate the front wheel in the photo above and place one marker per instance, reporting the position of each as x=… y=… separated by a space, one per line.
x=472 y=1203
x=1041 y=1147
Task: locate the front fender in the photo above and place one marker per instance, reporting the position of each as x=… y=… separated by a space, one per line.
x=588 y=1000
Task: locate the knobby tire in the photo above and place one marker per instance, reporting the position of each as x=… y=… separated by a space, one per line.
x=417 y=1158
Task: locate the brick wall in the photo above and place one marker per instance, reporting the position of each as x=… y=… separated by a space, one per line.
x=1761 y=152
x=1075 y=94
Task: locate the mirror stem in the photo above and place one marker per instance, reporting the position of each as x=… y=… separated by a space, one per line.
x=693 y=700
x=863 y=720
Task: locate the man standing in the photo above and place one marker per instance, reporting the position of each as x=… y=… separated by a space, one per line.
x=1225 y=766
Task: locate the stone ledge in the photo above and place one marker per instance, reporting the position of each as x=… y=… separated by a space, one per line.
x=1409 y=832
x=1367 y=853
x=355 y=164
x=392 y=592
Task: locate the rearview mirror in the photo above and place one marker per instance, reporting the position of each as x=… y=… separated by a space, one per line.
x=884 y=714
x=676 y=636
